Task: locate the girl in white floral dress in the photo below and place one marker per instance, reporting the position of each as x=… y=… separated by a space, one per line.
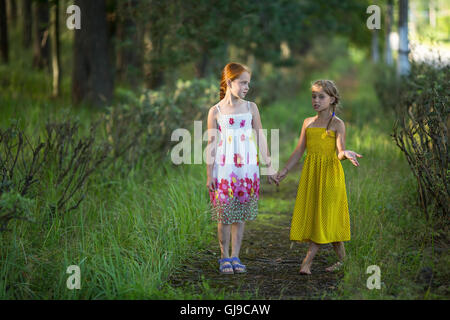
x=233 y=165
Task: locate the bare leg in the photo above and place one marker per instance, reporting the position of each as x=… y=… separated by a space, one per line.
x=306 y=264
x=223 y=232
x=340 y=251
x=237 y=233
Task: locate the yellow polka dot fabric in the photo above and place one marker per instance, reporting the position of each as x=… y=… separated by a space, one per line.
x=321 y=209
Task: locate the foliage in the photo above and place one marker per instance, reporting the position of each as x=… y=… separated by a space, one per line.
x=56 y=169
x=421 y=131
x=147 y=120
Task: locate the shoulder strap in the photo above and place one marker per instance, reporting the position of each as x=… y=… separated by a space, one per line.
x=217 y=106
x=248 y=106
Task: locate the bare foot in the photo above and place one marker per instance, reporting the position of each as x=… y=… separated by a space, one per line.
x=334 y=267
x=305 y=269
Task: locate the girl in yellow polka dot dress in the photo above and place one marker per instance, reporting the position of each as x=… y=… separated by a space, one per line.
x=321 y=210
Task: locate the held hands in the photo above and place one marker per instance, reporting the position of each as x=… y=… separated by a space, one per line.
x=272 y=177
x=282 y=174
x=278 y=177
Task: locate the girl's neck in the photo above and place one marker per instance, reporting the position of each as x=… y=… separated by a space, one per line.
x=230 y=100
x=324 y=115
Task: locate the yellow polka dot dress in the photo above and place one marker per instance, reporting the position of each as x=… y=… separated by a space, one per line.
x=321 y=209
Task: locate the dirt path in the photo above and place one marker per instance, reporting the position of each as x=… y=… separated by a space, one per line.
x=272 y=260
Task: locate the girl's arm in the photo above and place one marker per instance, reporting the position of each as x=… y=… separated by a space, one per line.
x=340 y=145
x=298 y=151
x=211 y=148
x=261 y=141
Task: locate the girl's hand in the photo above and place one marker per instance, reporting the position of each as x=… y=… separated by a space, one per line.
x=282 y=174
x=351 y=155
x=210 y=184
x=273 y=178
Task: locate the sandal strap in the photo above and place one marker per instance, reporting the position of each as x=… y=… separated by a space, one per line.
x=238 y=264
x=235 y=259
x=223 y=265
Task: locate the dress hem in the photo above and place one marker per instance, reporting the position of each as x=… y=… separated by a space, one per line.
x=319 y=242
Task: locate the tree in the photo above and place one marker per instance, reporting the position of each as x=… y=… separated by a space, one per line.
x=128 y=39
x=403 y=50
x=375 y=53
x=12 y=11
x=40 y=21
x=27 y=24
x=4 y=50
x=92 y=78
x=54 y=39
x=388 y=22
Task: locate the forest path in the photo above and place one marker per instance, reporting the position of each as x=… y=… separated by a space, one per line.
x=272 y=260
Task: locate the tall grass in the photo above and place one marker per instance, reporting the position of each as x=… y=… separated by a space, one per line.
x=128 y=235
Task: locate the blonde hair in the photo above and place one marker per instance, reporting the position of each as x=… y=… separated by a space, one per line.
x=231 y=71
x=330 y=89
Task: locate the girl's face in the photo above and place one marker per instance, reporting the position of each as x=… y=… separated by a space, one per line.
x=240 y=86
x=321 y=101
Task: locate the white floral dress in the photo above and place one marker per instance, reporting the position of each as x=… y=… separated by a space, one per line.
x=235 y=170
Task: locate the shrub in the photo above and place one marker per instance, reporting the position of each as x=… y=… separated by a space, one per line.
x=145 y=123
x=54 y=171
x=420 y=131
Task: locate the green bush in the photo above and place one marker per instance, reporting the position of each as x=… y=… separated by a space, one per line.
x=421 y=132
x=146 y=121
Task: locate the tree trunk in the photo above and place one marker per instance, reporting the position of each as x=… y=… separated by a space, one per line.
x=3 y=33
x=12 y=12
x=388 y=22
x=40 y=22
x=432 y=13
x=54 y=37
x=201 y=64
x=375 y=52
x=153 y=72
x=403 y=50
x=128 y=60
x=92 y=78
x=26 y=20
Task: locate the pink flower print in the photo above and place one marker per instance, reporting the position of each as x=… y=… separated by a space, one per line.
x=220 y=143
x=231 y=121
x=242 y=137
x=242 y=123
x=248 y=184
x=238 y=160
x=234 y=179
x=222 y=160
x=257 y=160
x=256 y=186
x=230 y=193
x=235 y=182
x=241 y=194
x=223 y=196
x=220 y=129
x=223 y=185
